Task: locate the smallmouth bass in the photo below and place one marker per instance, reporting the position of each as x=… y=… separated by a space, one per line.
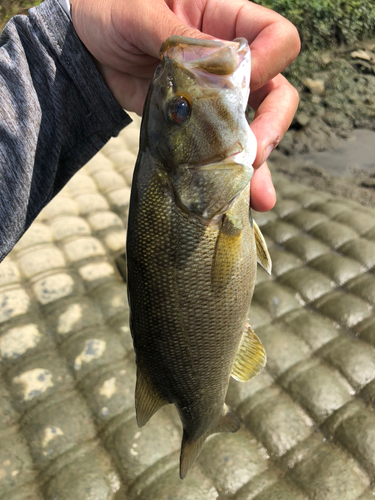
x=192 y=245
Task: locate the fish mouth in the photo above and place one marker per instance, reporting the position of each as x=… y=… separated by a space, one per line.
x=213 y=62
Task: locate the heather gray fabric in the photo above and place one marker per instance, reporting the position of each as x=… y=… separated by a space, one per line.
x=55 y=113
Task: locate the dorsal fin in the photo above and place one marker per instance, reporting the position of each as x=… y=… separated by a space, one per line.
x=147 y=399
x=264 y=258
x=250 y=358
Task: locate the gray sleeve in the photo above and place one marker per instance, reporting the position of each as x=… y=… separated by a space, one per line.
x=55 y=113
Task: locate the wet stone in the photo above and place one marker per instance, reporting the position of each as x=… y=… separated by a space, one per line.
x=361 y=250
x=305 y=247
x=366 y=331
x=309 y=283
x=116 y=241
x=357 y=435
x=318 y=389
x=54 y=287
x=56 y=426
x=88 y=203
x=314 y=329
x=195 y=486
x=363 y=287
x=257 y=485
x=282 y=262
x=263 y=218
x=239 y=392
x=345 y=309
x=353 y=359
x=111 y=299
x=280 y=231
x=13 y=302
x=91 y=349
x=33 y=381
x=274 y=298
x=339 y=269
x=37 y=234
x=258 y=315
x=9 y=273
x=16 y=467
x=275 y=420
x=108 y=180
x=81 y=183
x=119 y=198
x=26 y=492
x=282 y=347
x=135 y=450
x=283 y=208
x=41 y=260
x=120 y=325
x=21 y=340
x=231 y=460
x=333 y=234
x=60 y=205
x=83 y=248
x=97 y=163
x=88 y=477
x=332 y=208
x=358 y=221
x=327 y=473
x=282 y=490
x=66 y=227
x=104 y=220
x=305 y=219
x=73 y=316
x=123 y=160
x=8 y=415
x=110 y=392
x=96 y=273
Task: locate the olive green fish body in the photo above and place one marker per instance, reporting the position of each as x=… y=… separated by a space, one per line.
x=191 y=248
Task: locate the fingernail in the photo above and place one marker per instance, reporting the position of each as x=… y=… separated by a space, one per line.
x=267 y=152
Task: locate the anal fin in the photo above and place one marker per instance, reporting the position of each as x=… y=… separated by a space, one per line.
x=147 y=399
x=264 y=258
x=250 y=358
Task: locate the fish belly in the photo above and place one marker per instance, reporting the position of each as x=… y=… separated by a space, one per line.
x=186 y=331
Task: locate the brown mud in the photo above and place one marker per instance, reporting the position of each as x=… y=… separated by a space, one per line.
x=331 y=142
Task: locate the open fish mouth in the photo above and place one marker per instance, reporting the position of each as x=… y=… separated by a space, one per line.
x=212 y=61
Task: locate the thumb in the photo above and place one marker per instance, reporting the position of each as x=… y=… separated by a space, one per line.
x=155 y=22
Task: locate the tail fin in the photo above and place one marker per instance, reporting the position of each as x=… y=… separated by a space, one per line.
x=191 y=448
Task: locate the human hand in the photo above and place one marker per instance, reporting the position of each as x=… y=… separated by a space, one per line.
x=125 y=36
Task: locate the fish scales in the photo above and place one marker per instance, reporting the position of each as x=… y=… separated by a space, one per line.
x=191 y=247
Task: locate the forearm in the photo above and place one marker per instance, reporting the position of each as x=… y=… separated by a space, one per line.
x=55 y=113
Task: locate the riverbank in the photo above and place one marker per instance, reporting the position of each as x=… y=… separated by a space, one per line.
x=331 y=142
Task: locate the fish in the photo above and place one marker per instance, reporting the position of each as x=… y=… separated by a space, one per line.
x=192 y=244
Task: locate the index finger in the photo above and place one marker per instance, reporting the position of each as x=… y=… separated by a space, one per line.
x=274 y=41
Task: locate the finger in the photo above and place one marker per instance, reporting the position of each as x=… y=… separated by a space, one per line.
x=276 y=103
x=274 y=41
x=130 y=92
x=262 y=191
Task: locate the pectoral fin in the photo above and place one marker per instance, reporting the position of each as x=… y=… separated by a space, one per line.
x=264 y=258
x=227 y=249
x=250 y=358
x=147 y=400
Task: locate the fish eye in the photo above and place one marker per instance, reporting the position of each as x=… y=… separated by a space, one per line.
x=179 y=110
x=157 y=71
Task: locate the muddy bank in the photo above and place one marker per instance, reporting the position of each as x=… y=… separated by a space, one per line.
x=331 y=142
x=347 y=171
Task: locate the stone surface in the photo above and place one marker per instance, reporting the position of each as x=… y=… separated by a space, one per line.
x=67 y=370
